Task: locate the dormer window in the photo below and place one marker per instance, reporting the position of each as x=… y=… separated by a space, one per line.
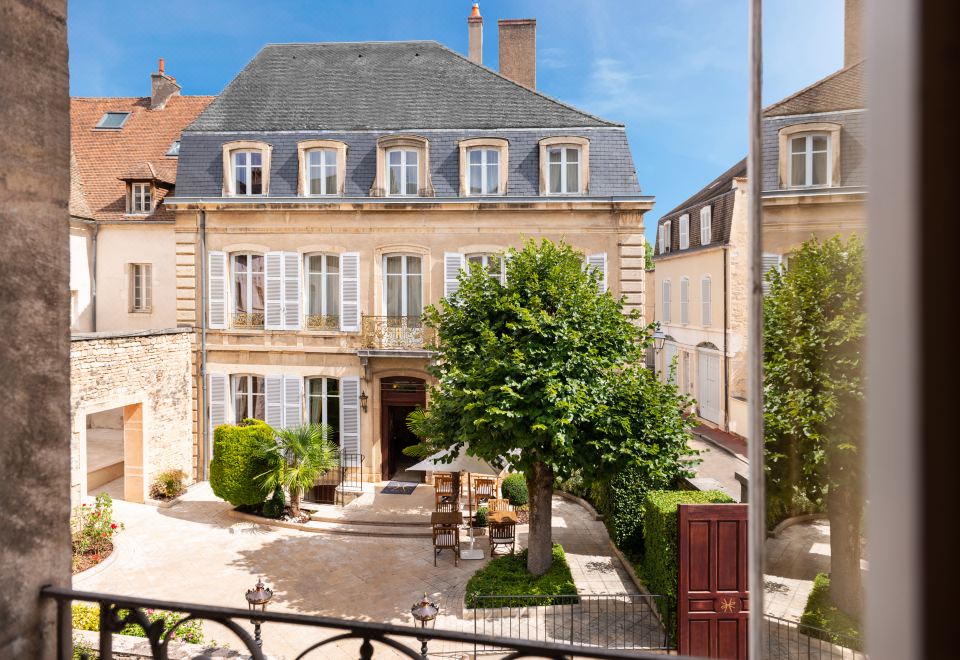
x=246 y=168
x=483 y=167
x=140 y=198
x=174 y=149
x=403 y=167
x=322 y=167
x=113 y=121
x=809 y=155
x=403 y=171
x=564 y=165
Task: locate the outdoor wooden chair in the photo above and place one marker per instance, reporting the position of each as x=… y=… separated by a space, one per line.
x=484 y=488
x=446 y=506
x=495 y=505
x=443 y=486
x=446 y=538
x=502 y=534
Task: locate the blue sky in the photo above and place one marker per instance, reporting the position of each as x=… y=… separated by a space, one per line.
x=674 y=71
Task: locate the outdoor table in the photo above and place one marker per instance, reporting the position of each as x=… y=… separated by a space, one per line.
x=446 y=518
x=502 y=516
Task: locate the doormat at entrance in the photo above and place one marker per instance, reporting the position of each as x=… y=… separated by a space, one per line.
x=399 y=488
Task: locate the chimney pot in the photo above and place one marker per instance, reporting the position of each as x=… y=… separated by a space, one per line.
x=518 y=50
x=475 y=34
x=160 y=67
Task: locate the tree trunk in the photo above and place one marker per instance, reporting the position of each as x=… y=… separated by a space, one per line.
x=844 y=509
x=295 y=503
x=456 y=488
x=540 y=537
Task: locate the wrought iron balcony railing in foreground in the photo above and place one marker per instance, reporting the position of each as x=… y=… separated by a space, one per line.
x=395 y=332
x=406 y=641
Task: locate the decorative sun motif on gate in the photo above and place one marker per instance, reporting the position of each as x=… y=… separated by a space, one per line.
x=728 y=605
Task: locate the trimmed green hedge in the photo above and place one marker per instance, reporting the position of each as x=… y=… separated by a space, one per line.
x=237 y=462
x=830 y=622
x=507 y=575
x=660 y=564
x=514 y=488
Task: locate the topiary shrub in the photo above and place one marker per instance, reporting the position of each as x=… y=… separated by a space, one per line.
x=514 y=489
x=621 y=500
x=660 y=565
x=237 y=462
x=275 y=506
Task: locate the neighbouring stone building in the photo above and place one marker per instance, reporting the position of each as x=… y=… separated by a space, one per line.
x=130 y=409
x=331 y=191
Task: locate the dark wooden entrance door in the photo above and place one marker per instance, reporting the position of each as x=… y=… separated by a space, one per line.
x=712 y=595
x=399 y=396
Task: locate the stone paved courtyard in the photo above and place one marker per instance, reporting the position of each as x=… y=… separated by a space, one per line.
x=195 y=552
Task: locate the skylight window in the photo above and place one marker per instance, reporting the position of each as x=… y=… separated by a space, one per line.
x=174 y=149
x=113 y=120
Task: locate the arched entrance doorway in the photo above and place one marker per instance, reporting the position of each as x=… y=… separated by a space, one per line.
x=399 y=396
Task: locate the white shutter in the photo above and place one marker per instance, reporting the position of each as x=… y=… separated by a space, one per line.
x=706 y=225
x=350 y=415
x=684 y=301
x=598 y=262
x=217 y=290
x=350 y=291
x=666 y=302
x=668 y=236
x=770 y=261
x=292 y=396
x=273 y=291
x=291 y=290
x=217 y=399
x=453 y=264
x=684 y=231
x=662 y=238
x=706 y=301
x=274 y=396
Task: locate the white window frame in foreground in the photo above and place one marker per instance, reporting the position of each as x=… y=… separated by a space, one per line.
x=141 y=288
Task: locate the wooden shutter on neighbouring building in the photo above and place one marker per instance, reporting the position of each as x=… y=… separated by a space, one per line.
x=273 y=386
x=770 y=261
x=350 y=415
x=666 y=312
x=706 y=225
x=273 y=291
x=291 y=290
x=684 y=300
x=217 y=290
x=684 y=231
x=217 y=399
x=350 y=291
x=706 y=301
x=453 y=265
x=598 y=262
x=292 y=398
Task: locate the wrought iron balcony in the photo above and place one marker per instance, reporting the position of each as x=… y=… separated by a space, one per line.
x=321 y=322
x=247 y=320
x=395 y=332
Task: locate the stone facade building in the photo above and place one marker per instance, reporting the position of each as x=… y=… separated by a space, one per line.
x=332 y=191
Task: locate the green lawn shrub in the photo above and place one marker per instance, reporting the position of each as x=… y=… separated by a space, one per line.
x=168 y=484
x=829 y=622
x=660 y=563
x=86 y=616
x=507 y=575
x=514 y=489
x=237 y=462
x=275 y=506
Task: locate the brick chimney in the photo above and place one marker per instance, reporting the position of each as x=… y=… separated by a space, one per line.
x=518 y=50
x=853 y=50
x=475 y=32
x=164 y=88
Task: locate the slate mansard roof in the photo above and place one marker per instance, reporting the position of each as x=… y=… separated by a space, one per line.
x=378 y=86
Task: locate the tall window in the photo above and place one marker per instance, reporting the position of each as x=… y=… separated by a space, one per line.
x=323 y=404
x=248 y=397
x=323 y=291
x=484 y=167
x=492 y=263
x=141 y=199
x=706 y=225
x=403 y=283
x=248 y=172
x=141 y=287
x=322 y=172
x=684 y=231
x=666 y=237
x=563 y=170
x=810 y=160
x=247 y=272
x=706 y=301
x=402 y=171
x=665 y=292
x=684 y=300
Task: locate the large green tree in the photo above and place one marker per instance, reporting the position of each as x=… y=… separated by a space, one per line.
x=813 y=398
x=545 y=369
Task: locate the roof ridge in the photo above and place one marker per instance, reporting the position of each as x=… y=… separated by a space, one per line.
x=351 y=43
x=689 y=203
x=806 y=89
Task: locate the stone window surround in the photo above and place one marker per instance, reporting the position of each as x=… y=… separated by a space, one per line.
x=421 y=145
x=500 y=144
x=306 y=145
x=567 y=141
x=397 y=249
x=265 y=150
x=832 y=129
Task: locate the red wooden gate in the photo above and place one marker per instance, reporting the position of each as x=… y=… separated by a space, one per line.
x=712 y=595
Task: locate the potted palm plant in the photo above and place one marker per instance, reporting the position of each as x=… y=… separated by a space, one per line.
x=298 y=456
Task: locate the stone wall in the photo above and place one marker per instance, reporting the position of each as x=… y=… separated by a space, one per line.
x=150 y=368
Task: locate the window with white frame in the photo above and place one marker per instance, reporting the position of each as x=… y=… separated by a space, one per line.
x=403 y=285
x=684 y=231
x=248 y=172
x=322 y=172
x=141 y=197
x=323 y=291
x=403 y=174
x=810 y=160
x=684 y=300
x=706 y=225
x=706 y=301
x=563 y=170
x=248 y=295
x=492 y=263
x=484 y=171
x=248 y=397
x=323 y=404
x=665 y=298
x=666 y=237
x=141 y=287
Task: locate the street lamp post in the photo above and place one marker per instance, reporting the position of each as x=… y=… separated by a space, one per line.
x=257 y=599
x=659 y=337
x=425 y=613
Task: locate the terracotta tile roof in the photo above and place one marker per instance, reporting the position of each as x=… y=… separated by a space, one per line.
x=844 y=90
x=100 y=159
